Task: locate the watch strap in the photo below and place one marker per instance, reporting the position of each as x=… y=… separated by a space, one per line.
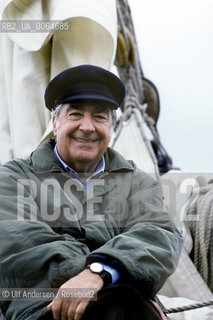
x=107 y=278
x=105 y=275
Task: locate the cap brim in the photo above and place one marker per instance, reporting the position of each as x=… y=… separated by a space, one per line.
x=90 y=96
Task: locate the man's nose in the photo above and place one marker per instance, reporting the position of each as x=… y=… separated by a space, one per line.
x=87 y=124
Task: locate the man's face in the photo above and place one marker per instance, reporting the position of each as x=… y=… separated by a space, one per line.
x=83 y=133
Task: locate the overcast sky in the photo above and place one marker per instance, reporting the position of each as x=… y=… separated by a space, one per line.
x=175 y=40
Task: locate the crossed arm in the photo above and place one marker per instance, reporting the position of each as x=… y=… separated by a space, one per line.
x=74 y=309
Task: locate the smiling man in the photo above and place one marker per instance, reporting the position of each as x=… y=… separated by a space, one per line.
x=75 y=215
x=83 y=133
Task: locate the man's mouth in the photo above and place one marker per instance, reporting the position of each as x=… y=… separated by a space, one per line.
x=85 y=140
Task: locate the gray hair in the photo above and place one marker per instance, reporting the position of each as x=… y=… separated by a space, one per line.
x=56 y=111
x=59 y=107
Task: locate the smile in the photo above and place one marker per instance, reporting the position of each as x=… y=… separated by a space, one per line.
x=84 y=141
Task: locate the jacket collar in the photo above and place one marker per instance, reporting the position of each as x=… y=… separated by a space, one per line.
x=43 y=160
x=116 y=162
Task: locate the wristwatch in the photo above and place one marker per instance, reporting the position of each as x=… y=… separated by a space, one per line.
x=98 y=268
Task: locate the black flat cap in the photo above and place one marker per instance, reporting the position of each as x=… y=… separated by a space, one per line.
x=85 y=82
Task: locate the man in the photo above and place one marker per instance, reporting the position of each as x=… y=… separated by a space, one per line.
x=77 y=215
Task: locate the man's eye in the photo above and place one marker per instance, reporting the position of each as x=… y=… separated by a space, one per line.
x=74 y=114
x=100 y=117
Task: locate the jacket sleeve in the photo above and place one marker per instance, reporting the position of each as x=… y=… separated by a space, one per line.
x=32 y=254
x=150 y=245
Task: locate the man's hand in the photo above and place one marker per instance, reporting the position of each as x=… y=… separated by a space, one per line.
x=74 y=309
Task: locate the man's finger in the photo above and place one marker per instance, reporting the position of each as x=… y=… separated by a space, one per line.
x=77 y=312
x=56 y=309
x=72 y=310
x=49 y=307
x=64 y=310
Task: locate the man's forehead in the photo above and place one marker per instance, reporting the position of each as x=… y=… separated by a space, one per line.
x=93 y=107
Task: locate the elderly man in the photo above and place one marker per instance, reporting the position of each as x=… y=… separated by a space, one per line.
x=77 y=215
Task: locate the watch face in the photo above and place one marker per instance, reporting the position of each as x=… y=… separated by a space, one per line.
x=96 y=267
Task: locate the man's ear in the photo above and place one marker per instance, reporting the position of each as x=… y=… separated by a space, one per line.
x=54 y=126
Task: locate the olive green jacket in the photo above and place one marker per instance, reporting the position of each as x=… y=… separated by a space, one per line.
x=49 y=226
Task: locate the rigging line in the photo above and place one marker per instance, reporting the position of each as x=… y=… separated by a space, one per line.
x=131 y=73
x=134 y=71
x=202 y=233
x=139 y=121
x=190 y=307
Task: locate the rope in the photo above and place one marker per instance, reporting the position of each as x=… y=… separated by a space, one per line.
x=125 y=55
x=190 y=307
x=131 y=73
x=150 y=150
x=201 y=229
x=119 y=125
